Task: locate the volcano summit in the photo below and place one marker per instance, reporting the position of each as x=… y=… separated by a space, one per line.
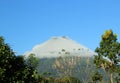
x=58 y=46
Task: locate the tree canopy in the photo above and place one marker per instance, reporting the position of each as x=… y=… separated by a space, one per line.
x=12 y=67
x=108 y=57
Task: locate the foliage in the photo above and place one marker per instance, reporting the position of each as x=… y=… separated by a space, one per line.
x=59 y=80
x=12 y=68
x=108 y=55
x=6 y=59
x=68 y=80
x=32 y=61
x=97 y=77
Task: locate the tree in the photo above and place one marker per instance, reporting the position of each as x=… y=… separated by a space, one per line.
x=108 y=57
x=97 y=77
x=12 y=67
x=6 y=58
x=67 y=80
x=31 y=61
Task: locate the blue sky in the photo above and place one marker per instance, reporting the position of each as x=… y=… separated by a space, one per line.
x=25 y=23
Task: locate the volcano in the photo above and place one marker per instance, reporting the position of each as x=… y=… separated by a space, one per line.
x=62 y=56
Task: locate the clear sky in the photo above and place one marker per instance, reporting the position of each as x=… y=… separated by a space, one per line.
x=25 y=23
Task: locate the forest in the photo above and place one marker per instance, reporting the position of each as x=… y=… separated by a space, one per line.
x=104 y=67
